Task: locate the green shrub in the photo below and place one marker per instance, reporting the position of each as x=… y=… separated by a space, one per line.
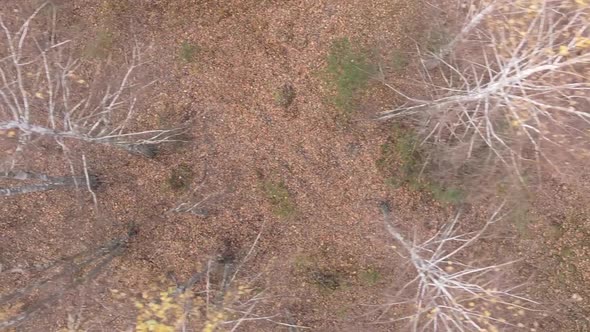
x=181 y=177
x=279 y=197
x=402 y=150
x=188 y=51
x=370 y=276
x=348 y=71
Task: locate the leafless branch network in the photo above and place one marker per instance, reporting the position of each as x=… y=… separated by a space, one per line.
x=46 y=182
x=209 y=300
x=56 y=279
x=516 y=82
x=42 y=95
x=448 y=293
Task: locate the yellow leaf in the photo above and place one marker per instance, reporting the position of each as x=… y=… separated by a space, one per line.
x=39 y=95
x=583 y=42
x=563 y=50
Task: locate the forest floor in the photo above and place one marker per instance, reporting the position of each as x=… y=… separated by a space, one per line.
x=290 y=167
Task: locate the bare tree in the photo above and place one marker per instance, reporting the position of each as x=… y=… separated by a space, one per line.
x=213 y=299
x=46 y=97
x=450 y=294
x=194 y=202
x=516 y=82
x=46 y=182
x=54 y=280
x=42 y=95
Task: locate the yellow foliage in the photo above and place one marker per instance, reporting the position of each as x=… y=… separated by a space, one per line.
x=153 y=326
x=161 y=314
x=166 y=311
x=563 y=50
x=582 y=42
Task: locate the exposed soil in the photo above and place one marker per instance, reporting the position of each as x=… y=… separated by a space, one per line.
x=292 y=170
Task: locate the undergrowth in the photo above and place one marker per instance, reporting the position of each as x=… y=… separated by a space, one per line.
x=285 y=95
x=108 y=32
x=181 y=177
x=370 y=276
x=188 y=51
x=348 y=71
x=326 y=279
x=403 y=162
x=101 y=46
x=399 y=61
x=279 y=197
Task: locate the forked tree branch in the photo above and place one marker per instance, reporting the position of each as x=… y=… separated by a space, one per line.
x=525 y=82
x=41 y=94
x=449 y=293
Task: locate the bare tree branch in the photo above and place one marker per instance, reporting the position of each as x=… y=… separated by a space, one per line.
x=524 y=82
x=41 y=94
x=60 y=277
x=449 y=294
x=49 y=182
